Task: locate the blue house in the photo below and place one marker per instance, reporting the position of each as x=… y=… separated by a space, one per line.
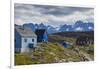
x=42 y=35
x=25 y=39
x=66 y=44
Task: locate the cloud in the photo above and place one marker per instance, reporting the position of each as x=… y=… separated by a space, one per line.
x=54 y=15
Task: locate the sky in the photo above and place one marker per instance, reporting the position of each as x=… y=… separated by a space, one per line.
x=51 y=15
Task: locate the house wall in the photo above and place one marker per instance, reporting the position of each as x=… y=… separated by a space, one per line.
x=17 y=42
x=39 y=38
x=42 y=37
x=45 y=37
x=24 y=44
x=84 y=41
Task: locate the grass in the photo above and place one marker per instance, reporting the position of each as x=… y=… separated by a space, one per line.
x=53 y=52
x=22 y=59
x=57 y=38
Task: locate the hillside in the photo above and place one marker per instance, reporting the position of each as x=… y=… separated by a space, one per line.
x=76 y=34
x=49 y=52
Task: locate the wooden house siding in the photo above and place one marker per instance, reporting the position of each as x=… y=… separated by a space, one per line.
x=17 y=41
x=23 y=38
x=86 y=40
x=25 y=45
x=41 y=35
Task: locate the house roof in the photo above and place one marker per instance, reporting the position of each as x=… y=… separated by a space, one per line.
x=40 y=31
x=25 y=32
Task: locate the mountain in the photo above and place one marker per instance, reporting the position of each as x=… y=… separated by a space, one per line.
x=82 y=26
x=65 y=28
x=50 y=29
x=42 y=26
x=78 y=26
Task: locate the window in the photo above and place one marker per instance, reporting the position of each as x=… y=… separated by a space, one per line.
x=32 y=40
x=25 y=40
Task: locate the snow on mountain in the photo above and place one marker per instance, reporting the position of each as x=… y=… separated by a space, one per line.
x=91 y=28
x=78 y=29
x=78 y=26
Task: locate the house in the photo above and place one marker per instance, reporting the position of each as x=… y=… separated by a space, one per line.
x=25 y=39
x=42 y=35
x=84 y=40
x=66 y=44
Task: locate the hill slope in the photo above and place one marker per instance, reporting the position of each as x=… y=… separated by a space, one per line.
x=75 y=34
x=54 y=53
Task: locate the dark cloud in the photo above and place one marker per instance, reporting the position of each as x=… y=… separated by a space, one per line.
x=60 y=10
x=51 y=14
x=53 y=10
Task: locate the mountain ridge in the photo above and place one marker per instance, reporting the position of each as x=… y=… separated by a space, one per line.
x=78 y=26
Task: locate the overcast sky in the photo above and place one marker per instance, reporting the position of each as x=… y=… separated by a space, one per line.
x=52 y=15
